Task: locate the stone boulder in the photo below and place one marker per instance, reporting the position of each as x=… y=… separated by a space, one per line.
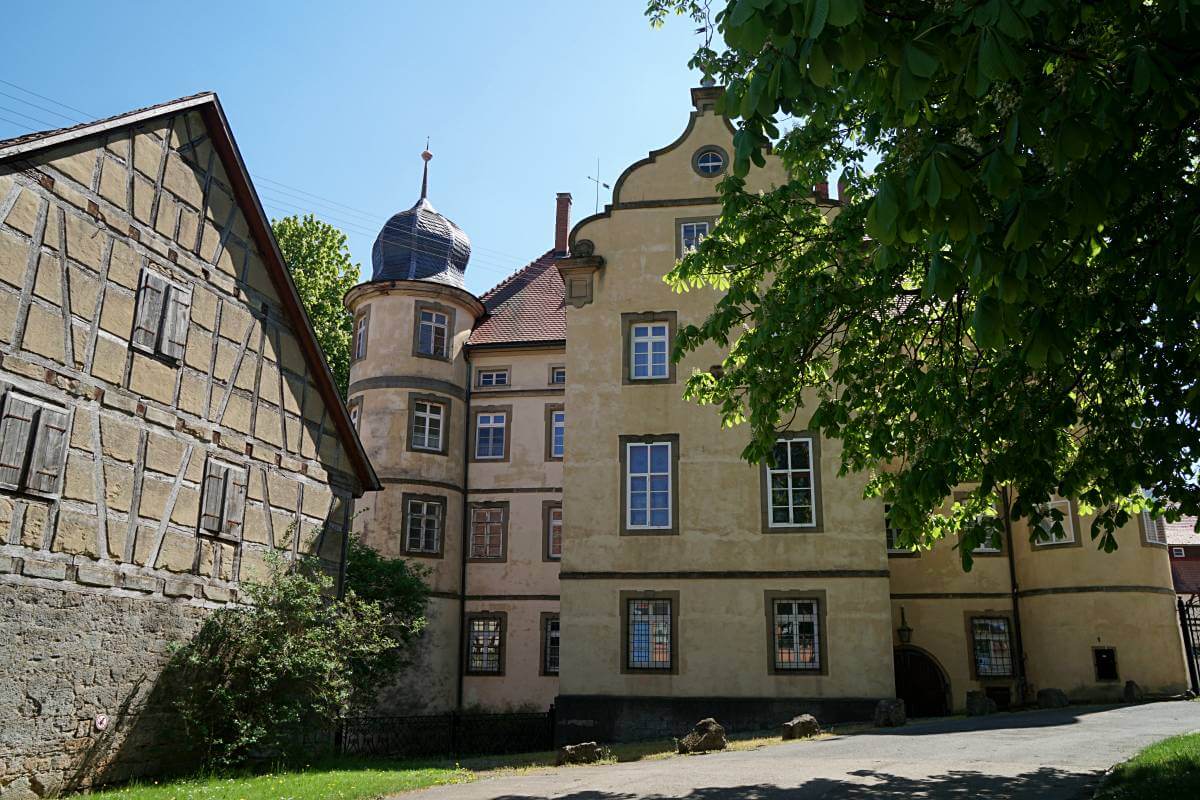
x=707 y=735
x=582 y=753
x=979 y=704
x=1052 y=698
x=801 y=727
x=890 y=713
x=1133 y=693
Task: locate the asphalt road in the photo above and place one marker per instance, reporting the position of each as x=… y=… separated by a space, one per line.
x=1048 y=755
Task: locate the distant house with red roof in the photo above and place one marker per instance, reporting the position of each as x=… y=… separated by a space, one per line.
x=1184 y=544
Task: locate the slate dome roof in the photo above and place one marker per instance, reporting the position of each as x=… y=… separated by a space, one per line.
x=421 y=244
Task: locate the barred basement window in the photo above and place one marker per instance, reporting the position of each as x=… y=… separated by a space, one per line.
x=796 y=640
x=649 y=634
x=550 y=646
x=487 y=534
x=33 y=444
x=427 y=426
x=160 y=324
x=992 y=647
x=424 y=526
x=485 y=645
x=223 y=500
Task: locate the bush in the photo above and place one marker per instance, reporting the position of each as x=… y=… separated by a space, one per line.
x=257 y=678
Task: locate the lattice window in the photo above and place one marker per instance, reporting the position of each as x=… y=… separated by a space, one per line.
x=650 y=634
x=792 y=494
x=484 y=644
x=796 y=641
x=489 y=435
x=649 y=485
x=487 y=533
x=550 y=652
x=427 y=425
x=691 y=234
x=993 y=647
x=493 y=377
x=554 y=533
x=648 y=344
x=424 y=526
x=431 y=333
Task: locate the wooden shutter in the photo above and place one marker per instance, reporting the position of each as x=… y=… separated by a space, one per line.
x=173 y=341
x=17 y=424
x=49 y=450
x=235 y=504
x=212 y=500
x=148 y=320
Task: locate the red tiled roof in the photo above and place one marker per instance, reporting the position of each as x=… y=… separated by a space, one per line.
x=527 y=306
x=1183 y=531
x=1185 y=573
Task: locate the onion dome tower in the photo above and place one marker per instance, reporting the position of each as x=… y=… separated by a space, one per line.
x=408 y=396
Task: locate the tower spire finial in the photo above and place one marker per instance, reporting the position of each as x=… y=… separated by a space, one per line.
x=426 y=155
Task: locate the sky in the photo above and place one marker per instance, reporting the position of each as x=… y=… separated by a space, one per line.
x=331 y=103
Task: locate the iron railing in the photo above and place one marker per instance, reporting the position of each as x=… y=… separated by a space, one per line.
x=453 y=734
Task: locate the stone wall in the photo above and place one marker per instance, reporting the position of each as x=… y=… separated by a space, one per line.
x=113 y=552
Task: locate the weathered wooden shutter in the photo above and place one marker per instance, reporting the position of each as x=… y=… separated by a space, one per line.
x=17 y=424
x=173 y=341
x=148 y=321
x=49 y=450
x=235 y=504
x=212 y=500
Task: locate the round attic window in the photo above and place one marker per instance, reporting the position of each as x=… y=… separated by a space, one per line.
x=709 y=161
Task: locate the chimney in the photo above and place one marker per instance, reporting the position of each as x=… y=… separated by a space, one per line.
x=821 y=190
x=562 y=223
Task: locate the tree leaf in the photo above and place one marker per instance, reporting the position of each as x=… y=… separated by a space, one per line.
x=843 y=12
x=922 y=63
x=820 y=14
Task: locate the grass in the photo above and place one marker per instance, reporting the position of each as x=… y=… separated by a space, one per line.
x=343 y=780
x=1168 y=769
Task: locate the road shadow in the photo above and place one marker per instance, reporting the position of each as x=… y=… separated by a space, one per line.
x=1009 y=720
x=1045 y=783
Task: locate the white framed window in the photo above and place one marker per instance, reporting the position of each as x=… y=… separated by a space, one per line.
x=989 y=545
x=1048 y=535
x=648 y=351
x=554 y=528
x=427 y=425
x=1178 y=552
x=431 y=333
x=1154 y=529
x=791 y=495
x=648 y=485
x=489 y=378
x=796 y=640
x=558 y=426
x=355 y=413
x=489 y=435
x=558 y=375
x=891 y=532
x=710 y=162
x=424 y=526
x=360 y=337
x=691 y=234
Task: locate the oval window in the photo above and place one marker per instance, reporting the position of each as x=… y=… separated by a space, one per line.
x=710 y=162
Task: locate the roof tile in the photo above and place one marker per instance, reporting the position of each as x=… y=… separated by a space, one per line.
x=527 y=306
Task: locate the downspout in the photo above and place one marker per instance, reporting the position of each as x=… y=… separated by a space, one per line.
x=1022 y=685
x=466 y=527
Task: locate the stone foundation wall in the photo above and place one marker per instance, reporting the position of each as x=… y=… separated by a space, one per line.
x=72 y=654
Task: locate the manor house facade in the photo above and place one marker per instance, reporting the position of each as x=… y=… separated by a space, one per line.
x=596 y=541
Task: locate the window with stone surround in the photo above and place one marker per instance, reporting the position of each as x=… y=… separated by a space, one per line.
x=492 y=378
x=992 y=647
x=424 y=523
x=427 y=425
x=491 y=433
x=554 y=531
x=795 y=641
x=485 y=644
x=432 y=332
x=33 y=444
x=160 y=323
x=361 y=325
x=650 y=631
x=489 y=532
x=550 y=644
x=792 y=485
x=1047 y=534
x=648 y=485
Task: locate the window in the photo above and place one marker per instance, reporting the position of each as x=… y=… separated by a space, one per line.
x=992 y=647
x=360 y=335
x=427 y=425
x=1154 y=529
x=891 y=534
x=795 y=639
x=549 y=644
x=648 y=351
x=1048 y=535
x=648 y=485
x=558 y=375
x=160 y=325
x=691 y=234
x=223 y=500
x=710 y=162
x=490 y=378
x=355 y=409
x=791 y=485
x=423 y=524
x=553 y=526
x=1177 y=552
x=490 y=429
x=991 y=543
x=485 y=644
x=650 y=624
x=433 y=330
x=556 y=423
x=489 y=528
x=1105 y=661
x=33 y=444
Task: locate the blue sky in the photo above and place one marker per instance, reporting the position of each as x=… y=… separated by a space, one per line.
x=331 y=103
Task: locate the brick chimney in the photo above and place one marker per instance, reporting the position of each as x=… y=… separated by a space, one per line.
x=562 y=223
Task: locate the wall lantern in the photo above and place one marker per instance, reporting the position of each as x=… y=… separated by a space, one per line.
x=904 y=631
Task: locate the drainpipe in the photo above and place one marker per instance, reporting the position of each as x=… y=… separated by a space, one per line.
x=1022 y=685
x=466 y=526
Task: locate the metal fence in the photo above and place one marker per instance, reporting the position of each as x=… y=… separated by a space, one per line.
x=452 y=734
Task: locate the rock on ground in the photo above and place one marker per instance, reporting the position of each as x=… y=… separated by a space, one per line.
x=979 y=704
x=800 y=727
x=707 y=735
x=582 y=753
x=890 y=713
x=1052 y=698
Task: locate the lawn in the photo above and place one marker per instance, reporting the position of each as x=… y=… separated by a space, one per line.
x=1168 y=769
x=346 y=780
